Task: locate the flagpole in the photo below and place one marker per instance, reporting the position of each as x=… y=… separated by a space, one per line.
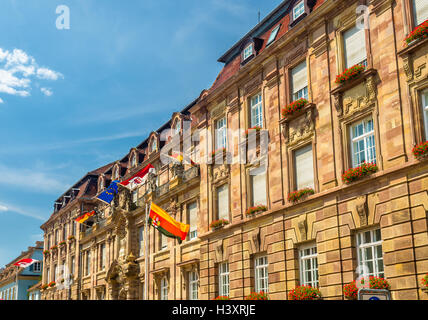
x=146 y=252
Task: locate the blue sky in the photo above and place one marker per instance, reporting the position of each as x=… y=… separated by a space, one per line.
x=74 y=100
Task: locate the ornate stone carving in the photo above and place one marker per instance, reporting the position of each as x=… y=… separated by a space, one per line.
x=362 y=209
x=219 y=251
x=177 y=170
x=303 y=228
x=173 y=207
x=255 y=240
x=301 y=128
x=408 y=67
x=220 y=172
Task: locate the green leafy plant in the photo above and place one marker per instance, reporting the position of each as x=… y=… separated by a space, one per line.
x=350 y=290
x=420 y=32
x=424 y=281
x=219 y=223
x=421 y=150
x=222 y=298
x=256 y=209
x=304 y=293
x=299 y=194
x=257 y=296
x=356 y=173
x=52 y=284
x=294 y=107
x=350 y=73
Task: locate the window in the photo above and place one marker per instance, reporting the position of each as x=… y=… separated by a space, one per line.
x=88 y=263
x=192 y=212
x=193 y=285
x=55 y=273
x=308 y=266
x=355 y=47
x=304 y=168
x=177 y=127
x=37 y=267
x=248 y=51
x=363 y=147
x=72 y=265
x=261 y=274
x=154 y=145
x=74 y=228
x=102 y=256
x=48 y=275
x=425 y=111
x=258 y=186
x=298 y=10
x=299 y=82
x=134 y=196
x=370 y=256
x=256 y=111
x=64 y=232
x=163 y=241
x=420 y=11
x=133 y=161
x=141 y=240
x=273 y=35
x=164 y=289
x=223 y=279
x=56 y=236
x=223 y=202
x=220 y=133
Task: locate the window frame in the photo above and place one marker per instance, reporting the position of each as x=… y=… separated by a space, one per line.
x=299 y=6
x=223 y=274
x=364 y=137
x=258 y=107
x=312 y=257
x=193 y=285
x=344 y=51
x=273 y=35
x=295 y=180
x=217 y=202
x=164 y=288
x=257 y=286
x=193 y=233
x=221 y=133
x=246 y=54
x=251 y=189
x=424 y=110
x=295 y=95
x=373 y=245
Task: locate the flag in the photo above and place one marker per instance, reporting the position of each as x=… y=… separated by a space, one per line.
x=108 y=195
x=85 y=217
x=166 y=224
x=139 y=178
x=25 y=263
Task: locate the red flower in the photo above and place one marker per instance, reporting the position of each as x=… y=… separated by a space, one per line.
x=293 y=107
x=256 y=209
x=257 y=296
x=350 y=73
x=304 y=293
x=420 y=32
x=297 y=195
x=355 y=173
x=219 y=223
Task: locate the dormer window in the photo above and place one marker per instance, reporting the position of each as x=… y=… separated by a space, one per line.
x=177 y=127
x=153 y=146
x=116 y=173
x=133 y=160
x=248 y=51
x=273 y=35
x=298 y=9
x=101 y=185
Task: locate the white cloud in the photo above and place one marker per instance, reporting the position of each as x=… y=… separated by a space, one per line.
x=3 y=208
x=18 y=69
x=46 y=91
x=1 y=100
x=43 y=73
x=27 y=212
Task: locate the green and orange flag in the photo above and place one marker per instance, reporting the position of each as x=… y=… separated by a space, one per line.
x=85 y=217
x=166 y=225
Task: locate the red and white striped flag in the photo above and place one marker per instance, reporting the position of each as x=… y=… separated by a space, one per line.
x=139 y=178
x=25 y=263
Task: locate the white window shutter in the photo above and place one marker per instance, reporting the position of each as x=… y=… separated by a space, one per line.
x=258 y=182
x=355 y=46
x=299 y=77
x=193 y=210
x=223 y=202
x=420 y=10
x=304 y=168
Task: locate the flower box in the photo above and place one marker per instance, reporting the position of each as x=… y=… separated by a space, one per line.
x=299 y=194
x=354 y=174
x=71 y=238
x=52 y=284
x=46 y=252
x=54 y=247
x=222 y=298
x=421 y=150
x=424 y=282
x=219 y=153
x=294 y=107
x=420 y=32
x=62 y=243
x=44 y=286
x=350 y=290
x=256 y=128
x=304 y=293
x=256 y=209
x=217 y=224
x=257 y=296
x=350 y=73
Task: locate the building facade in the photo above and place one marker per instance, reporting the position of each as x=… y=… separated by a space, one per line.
x=15 y=281
x=375 y=225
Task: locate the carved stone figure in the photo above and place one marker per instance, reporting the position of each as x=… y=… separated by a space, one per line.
x=362 y=209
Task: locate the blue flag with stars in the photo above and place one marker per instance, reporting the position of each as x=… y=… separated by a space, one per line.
x=108 y=195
